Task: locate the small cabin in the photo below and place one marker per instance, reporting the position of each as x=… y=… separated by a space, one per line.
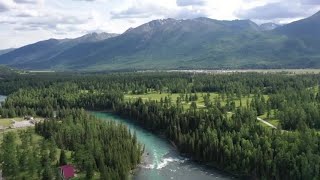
x=67 y=172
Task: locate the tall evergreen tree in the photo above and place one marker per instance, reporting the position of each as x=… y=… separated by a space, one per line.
x=63 y=158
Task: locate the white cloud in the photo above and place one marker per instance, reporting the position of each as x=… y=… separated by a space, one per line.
x=139 y=10
x=191 y=2
x=6 y=5
x=148 y=9
x=280 y=11
x=26 y=1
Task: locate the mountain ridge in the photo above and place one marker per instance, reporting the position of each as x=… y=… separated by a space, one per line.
x=4 y=51
x=44 y=51
x=185 y=44
x=269 y=26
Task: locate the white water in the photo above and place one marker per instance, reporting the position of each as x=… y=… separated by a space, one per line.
x=161 y=161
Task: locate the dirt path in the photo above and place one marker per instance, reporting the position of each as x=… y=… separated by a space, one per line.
x=261 y=120
x=22 y=124
x=265 y=122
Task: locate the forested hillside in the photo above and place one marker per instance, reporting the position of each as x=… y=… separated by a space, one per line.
x=5 y=72
x=210 y=118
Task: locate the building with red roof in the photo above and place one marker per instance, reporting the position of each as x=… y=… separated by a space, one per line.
x=67 y=172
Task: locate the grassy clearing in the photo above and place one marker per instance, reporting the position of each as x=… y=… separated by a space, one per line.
x=6 y=122
x=285 y=71
x=82 y=176
x=157 y=97
x=152 y=96
x=44 y=71
x=272 y=120
x=200 y=102
x=35 y=137
x=12 y=119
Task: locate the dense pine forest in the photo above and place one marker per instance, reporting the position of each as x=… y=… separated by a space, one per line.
x=211 y=118
x=73 y=131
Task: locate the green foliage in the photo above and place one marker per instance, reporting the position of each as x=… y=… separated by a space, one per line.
x=9 y=155
x=6 y=72
x=21 y=160
x=222 y=133
x=95 y=144
x=63 y=158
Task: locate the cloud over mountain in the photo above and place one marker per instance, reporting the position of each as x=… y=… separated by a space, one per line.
x=280 y=10
x=191 y=2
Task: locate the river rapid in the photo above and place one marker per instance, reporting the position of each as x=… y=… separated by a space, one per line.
x=161 y=161
x=2 y=98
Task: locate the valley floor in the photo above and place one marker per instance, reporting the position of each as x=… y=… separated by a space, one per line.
x=270 y=121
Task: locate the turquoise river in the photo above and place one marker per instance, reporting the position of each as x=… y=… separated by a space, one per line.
x=161 y=161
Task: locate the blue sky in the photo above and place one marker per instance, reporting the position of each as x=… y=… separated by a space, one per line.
x=26 y=21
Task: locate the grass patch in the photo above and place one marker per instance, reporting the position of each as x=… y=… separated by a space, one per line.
x=152 y=96
x=6 y=122
x=157 y=97
x=82 y=176
x=272 y=120
x=200 y=102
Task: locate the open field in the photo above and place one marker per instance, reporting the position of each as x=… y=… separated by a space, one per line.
x=20 y=121
x=285 y=71
x=152 y=96
x=270 y=120
x=35 y=137
x=200 y=102
x=43 y=71
x=5 y=122
x=157 y=97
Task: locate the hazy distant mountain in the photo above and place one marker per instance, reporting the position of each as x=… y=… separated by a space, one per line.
x=167 y=43
x=307 y=31
x=306 y=28
x=93 y=37
x=42 y=52
x=4 y=51
x=172 y=44
x=269 y=26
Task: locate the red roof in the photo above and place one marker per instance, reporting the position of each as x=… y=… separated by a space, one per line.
x=67 y=171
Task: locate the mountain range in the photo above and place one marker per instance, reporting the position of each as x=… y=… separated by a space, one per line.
x=199 y=43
